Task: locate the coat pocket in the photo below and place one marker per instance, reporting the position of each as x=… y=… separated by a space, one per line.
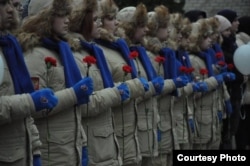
x=204 y=125
x=165 y=122
x=10 y=154
x=61 y=138
x=102 y=145
x=144 y=124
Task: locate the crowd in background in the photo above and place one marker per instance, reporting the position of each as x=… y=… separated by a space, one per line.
x=87 y=84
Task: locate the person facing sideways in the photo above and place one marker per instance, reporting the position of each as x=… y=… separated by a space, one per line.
x=19 y=138
x=235 y=88
x=219 y=26
x=157 y=47
x=206 y=107
x=133 y=20
x=183 y=110
x=51 y=64
x=97 y=118
x=18 y=6
x=243 y=37
x=117 y=53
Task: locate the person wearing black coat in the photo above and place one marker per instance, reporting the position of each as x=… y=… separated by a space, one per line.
x=235 y=88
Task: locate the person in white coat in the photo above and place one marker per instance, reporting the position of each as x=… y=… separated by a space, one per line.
x=19 y=138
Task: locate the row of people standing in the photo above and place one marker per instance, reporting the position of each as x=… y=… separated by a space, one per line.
x=138 y=113
x=234 y=34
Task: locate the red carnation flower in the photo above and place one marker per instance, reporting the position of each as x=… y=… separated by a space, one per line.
x=89 y=60
x=203 y=71
x=219 y=55
x=50 y=61
x=221 y=63
x=127 y=69
x=184 y=69
x=133 y=55
x=159 y=59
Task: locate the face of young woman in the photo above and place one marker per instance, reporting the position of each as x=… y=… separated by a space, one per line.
x=184 y=43
x=96 y=26
x=6 y=14
x=214 y=37
x=140 y=32
x=18 y=6
x=226 y=33
x=206 y=43
x=110 y=24
x=162 y=34
x=61 y=25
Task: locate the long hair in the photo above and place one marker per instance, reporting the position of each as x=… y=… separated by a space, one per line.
x=40 y=24
x=81 y=19
x=87 y=26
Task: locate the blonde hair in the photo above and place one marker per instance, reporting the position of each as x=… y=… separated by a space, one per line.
x=200 y=30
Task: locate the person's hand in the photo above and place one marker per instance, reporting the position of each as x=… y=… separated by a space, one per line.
x=200 y=87
x=83 y=89
x=228 y=76
x=219 y=78
x=124 y=91
x=37 y=160
x=180 y=81
x=44 y=99
x=144 y=83
x=85 y=158
x=158 y=83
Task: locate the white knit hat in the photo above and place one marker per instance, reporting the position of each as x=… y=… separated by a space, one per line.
x=224 y=23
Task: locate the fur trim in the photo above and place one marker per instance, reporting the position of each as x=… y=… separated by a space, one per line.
x=176 y=21
x=130 y=18
x=74 y=41
x=106 y=35
x=131 y=15
x=28 y=40
x=140 y=16
x=175 y=26
x=61 y=7
x=214 y=23
x=56 y=7
x=162 y=16
x=41 y=23
x=200 y=29
x=108 y=8
x=157 y=19
x=186 y=28
x=77 y=16
x=153 y=44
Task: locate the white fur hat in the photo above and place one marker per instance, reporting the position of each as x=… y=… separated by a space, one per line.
x=58 y=6
x=136 y=15
x=224 y=23
x=36 y=5
x=126 y=14
x=158 y=18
